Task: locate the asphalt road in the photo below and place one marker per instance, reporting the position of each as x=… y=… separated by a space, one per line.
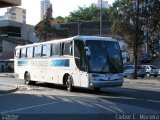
x=44 y=100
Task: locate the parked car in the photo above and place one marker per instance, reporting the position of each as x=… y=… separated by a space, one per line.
x=146 y=57
x=128 y=70
x=154 y=53
x=151 y=70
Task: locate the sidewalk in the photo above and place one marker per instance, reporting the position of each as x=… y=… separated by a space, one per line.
x=142 y=82
x=5 y=88
x=145 y=82
x=7 y=75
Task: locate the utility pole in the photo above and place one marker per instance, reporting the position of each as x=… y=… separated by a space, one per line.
x=101 y=19
x=78 y=26
x=136 y=40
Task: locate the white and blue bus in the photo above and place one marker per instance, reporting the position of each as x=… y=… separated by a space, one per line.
x=80 y=61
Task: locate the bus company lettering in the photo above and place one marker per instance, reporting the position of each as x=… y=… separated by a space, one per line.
x=39 y=63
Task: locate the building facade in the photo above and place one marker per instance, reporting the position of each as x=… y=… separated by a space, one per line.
x=9 y=3
x=15 y=14
x=45 y=4
x=12 y=34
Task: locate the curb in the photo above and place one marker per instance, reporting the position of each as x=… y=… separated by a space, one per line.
x=7 y=88
x=11 y=75
x=145 y=83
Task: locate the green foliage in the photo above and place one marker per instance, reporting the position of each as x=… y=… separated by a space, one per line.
x=59 y=20
x=132 y=19
x=45 y=31
x=87 y=14
x=124 y=17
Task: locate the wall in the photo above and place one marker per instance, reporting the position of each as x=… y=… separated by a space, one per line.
x=8 y=49
x=27 y=31
x=88 y=28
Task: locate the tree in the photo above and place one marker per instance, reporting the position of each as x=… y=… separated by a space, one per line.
x=87 y=14
x=59 y=20
x=131 y=19
x=152 y=7
x=44 y=29
x=128 y=25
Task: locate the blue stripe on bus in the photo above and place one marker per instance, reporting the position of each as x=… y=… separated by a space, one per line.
x=22 y=63
x=60 y=63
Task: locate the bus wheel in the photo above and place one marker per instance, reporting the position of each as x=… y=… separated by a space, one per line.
x=27 y=79
x=69 y=84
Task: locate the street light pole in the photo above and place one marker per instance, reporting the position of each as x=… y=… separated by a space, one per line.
x=101 y=18
x=78 y=28
x=136 y=39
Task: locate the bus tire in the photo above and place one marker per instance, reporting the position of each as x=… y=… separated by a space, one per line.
x=27 y=79
x=69 y=84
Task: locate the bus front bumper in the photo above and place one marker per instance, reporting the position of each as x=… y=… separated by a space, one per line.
x=107 y=83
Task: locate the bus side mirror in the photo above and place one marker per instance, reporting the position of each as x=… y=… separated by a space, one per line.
x=87 y=50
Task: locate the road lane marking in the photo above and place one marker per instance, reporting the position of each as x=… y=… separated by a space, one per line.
x=112 y=104
x=153 y=101
x=34 y=106
x=106 y=108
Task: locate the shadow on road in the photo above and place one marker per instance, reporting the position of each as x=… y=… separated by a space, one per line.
x=110 y=92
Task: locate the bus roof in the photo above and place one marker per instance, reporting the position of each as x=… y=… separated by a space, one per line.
x=84 y=38
x=93 y=38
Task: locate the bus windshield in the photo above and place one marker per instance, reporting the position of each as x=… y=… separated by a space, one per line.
x=104 y=57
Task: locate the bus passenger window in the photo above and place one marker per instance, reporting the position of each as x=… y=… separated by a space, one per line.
x=56 y=49
x=30 y=52
x=23 y=53
x=37 y=51
x=46 y=50
x=67 y=50
x=17 y=53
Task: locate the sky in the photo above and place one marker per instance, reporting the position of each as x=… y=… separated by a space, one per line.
x=60 y=8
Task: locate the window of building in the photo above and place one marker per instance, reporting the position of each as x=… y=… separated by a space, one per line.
x=14 y=31
x=24 y=17
x=24 y=11
x=56 y=49
x=13 y=13
x=0 y=46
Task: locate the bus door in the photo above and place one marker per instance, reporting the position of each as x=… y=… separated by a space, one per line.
x=81 y=63
x=80 y=75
